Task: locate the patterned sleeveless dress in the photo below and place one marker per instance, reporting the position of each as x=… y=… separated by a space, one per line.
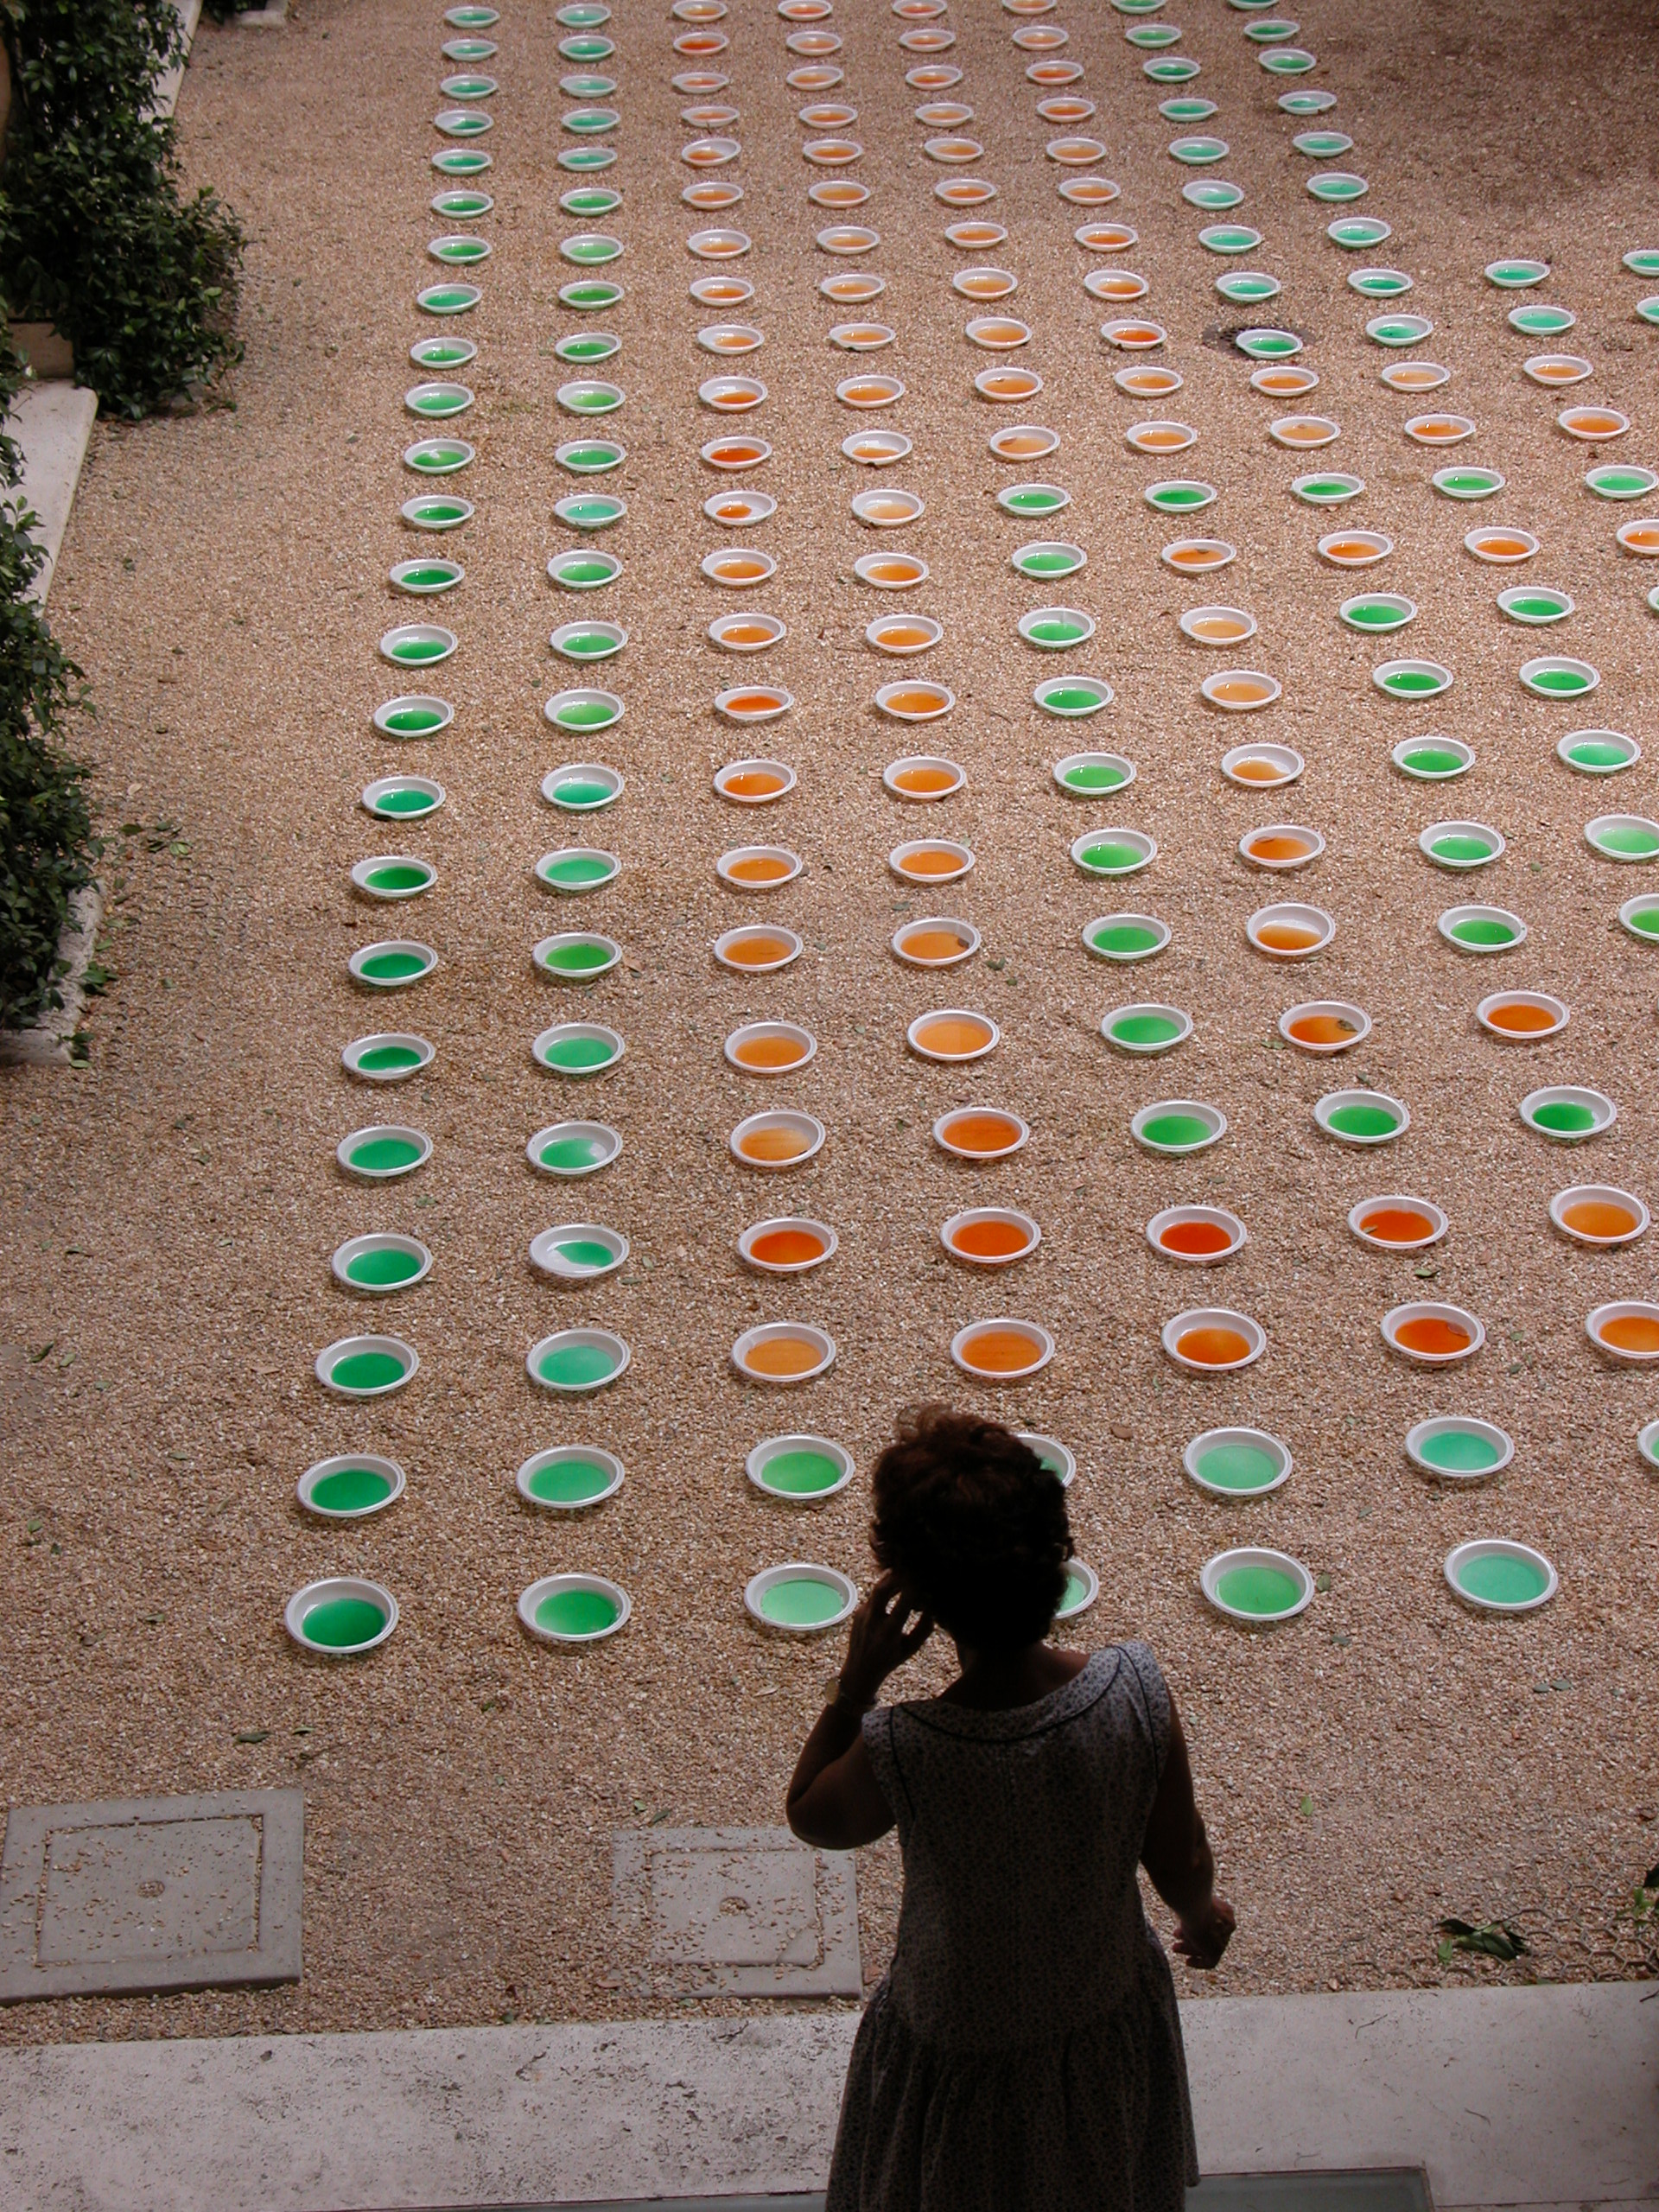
x=1024 y=2052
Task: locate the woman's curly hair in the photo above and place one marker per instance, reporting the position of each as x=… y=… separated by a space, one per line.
x=973 y=1525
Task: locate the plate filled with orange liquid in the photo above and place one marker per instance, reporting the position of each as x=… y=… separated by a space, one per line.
x=1598 y=1215
x=770 y=1047
x=1355 y=548
x=1198 y=1236
x=890 y=571
x=746 y=633
x=1397 y=1223
x=1213 y=1340
x=923 y=776
x=912 y=702
x=1003 y=386
x=990 y=1237
x=1289 y=931
x=757 y=951
x=752 y=702
x=1198 y=557
x=929 y=859
x=1432 y=1334
x=934 y=942
x=778 y=1139
x=738 y=567
x=755 y=783
x=903 y=635
x=1323 y=1026
x=1002 y=1350
x=789 y=1244
x=759 y=868
x=783 y=1353
x=1280 y=846
x=1217 y=626
x=1522 y=1017
x=980 y=1133
x=1627 y=1330
x=1262 y=767
x=953 y=1035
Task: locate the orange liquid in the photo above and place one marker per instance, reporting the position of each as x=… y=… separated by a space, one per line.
x=1000 y=331
x=757 y=951
x=1396 y=1225
x=745 y=634
x=752 y=702
x=864 y=334
x=1439 y=426
x=1594 y=419
x=754 y=783
x=1350 y=549
x=1198 y=1239
x=895 y=572
x=730 y=342
x=888 y=510
x=1107 y=237
x=896 y=636
x=981 y=1133
x=1258 y=771
x=986 y=288
x=1428 y=1332
x=1407 y=378
x=1238 y=693
x=774 y=1144
x=782 y=1356
x=1137 y=334
x=1520 y=1020
x=1497 y=542
x=1194 y=557
x=1645 y=540
x=977 y=234
x=1173 y=442
x=1280 y=848
x=954 y=1035
x=733 y=509
x=1631 y=1333
x=1012 y=384
x=761 y=868
x=1213 y=1347
x=771 y=1053
x=1288 y=937
x=1017 y=449
x=1304 y=434
x=1285 y=381
x=989 y=1240
x=931 y=944
x=735 y=449
x=1152 y=383
x=1219 y=629
x=787 y=1248
x=1119 y=286
x=1000 y=1351
x=868 y=391
x=1323 y=1029
x=1596 y=1217
x=923 y=781
x=736 y=569
x=930 y=860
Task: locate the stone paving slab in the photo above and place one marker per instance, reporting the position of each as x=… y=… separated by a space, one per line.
x=51 y=422
x=742 y=1911
x=134 y=1895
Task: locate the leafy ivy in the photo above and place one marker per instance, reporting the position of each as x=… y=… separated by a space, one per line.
x=46 y=845
x=95 y=234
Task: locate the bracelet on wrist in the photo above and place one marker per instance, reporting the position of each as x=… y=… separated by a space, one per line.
x=844 y=1699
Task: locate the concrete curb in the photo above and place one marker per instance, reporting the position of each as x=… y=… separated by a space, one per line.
x=47 y=1042
x=166 y=91
x=1542 y=2097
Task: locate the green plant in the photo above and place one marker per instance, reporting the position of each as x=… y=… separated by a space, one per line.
x=46 y=845
x=222 y=10
x=1488 y=1938
x=94 y=234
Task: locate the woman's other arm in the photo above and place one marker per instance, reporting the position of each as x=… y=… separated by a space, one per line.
x=1177 y=1856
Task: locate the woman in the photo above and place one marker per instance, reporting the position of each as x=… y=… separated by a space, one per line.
x=1023 y=2053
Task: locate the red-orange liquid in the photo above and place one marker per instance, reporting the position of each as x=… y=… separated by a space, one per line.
x=771 y=1053
x=1645 y=539
x=787 y=1248
x=1350 y=549
x=732 y=510
x=782 y=1357
x=1288 y=937
x=1631 y=1333
x=1194 y=557
x=924 y=782
x=977 y=234
x=736 y=569
x=757 y=951
x=1278 y=848
x=1323 y=1029
x=1596 y=1217
x=895 y=572
x=771 y=1145
x=752 y=702
x=989 y=1240
x=954 y=1036
x=1396 y=1225
x=981 y=1133
x=931 y=944
x=1213 y=1347
x=735 y=449
x=1429 y=1332
x=1499 y=544
x=746 y=633
x=761 y=867
x=1520 y=1020
x=1197 y=1239
x=897 y=637
x=754 y=783
x=1000 y=1351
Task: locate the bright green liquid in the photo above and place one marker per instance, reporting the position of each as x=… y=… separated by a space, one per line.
x=436 y=404
x=1432 y=760
x=578 y=959
x=592 y=514
x=586 y=349
x=1412 y=683
x=393 y=967
x=1623 y=483
x=436 y=575
x=1500 y=1580
x=1559 y=683
x=1534 y=608
x=800 y=1473
x=585 y=572
x=1479 y=930
x=1626 y=838
x=1459 y=1450
x=1048 y=565
x=431 y=510
x=589 y=645
x=576 y=1612
x=1356 y=1119
x=1467 y=480
x=586 y=714
x=570 y=1155
x=590 y=457
x=380 y=1155
x=1326 y=487
x=1237 y=1466
x=1094 y=776
x=342 y=1624
x=1597 y=753
x=801 y=1602
x=366 y=1371
x=586 y=1253
x=1108 y=859
x=1055 y=634
x=574 y=792
x=592 y=403
x=416 y=652
x=574 y=1367
x=591 y=253
x=1564 y=1115
x=580 y=1055
x=382 y=1268
x=1176 y=496
x=1373 y=614
x=1175 y=1132
x=1034 y=503
x=1646 y=919
x=439 y=457
x=1262 y=1592
x=569 y=1481
x=381 y=1057
x=462 y=251
x=448 y=299
x=1146 y=1029
x=404 y=803
x=591 y=295
x=577 y=870
x=407 y=877
x=349 y=1490
x=1461 y=849
x=1122 y=938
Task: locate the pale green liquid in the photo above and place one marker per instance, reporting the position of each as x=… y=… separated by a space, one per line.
x=342 y=1623
x=578 y=870
x=591 y=514
x=404 y=803
x=383 y=1058
x=1478 y=930
x=594 y=402
x=1121 y=937
x=586 y=714
x=590 y=457
x=1565 y=1116
x=578 y=959
x=801 y=1602
x=799 y=1473
x=571 y=1155
x=1262 y=1592
x=586 y=572
x=1109 y=859
x=366 y=1371
x=575 y=794
x=1175 y=1132
x=393 y=967
x=1500 y=1580
x=1459 y=1450
x=404 y=878
x=585 y=1252
x=1355 y=1119
x=383 y=1268
x=590 y=255
x=576 y=1612
x=1628 y=840
x=592 y=295
x=586 y=349
x=569 y=1481
x=1093 y=776
x=1461 y=849
x=1237 y=1466
x=379 y=1155
x=577 y=1366
x=1076 y=1590
x=1146 y=1029
x=349 y=1490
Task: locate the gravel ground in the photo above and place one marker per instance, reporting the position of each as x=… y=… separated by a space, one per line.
x=167 y=1212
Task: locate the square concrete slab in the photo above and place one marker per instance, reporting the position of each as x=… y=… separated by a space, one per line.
x=139 y=1894
x=738 y=1912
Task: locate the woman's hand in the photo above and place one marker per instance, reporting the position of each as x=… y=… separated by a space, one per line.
x=1203 y=1937
x=884 y=1635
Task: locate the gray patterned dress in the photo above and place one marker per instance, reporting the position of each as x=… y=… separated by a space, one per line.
x=1024 y=2052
